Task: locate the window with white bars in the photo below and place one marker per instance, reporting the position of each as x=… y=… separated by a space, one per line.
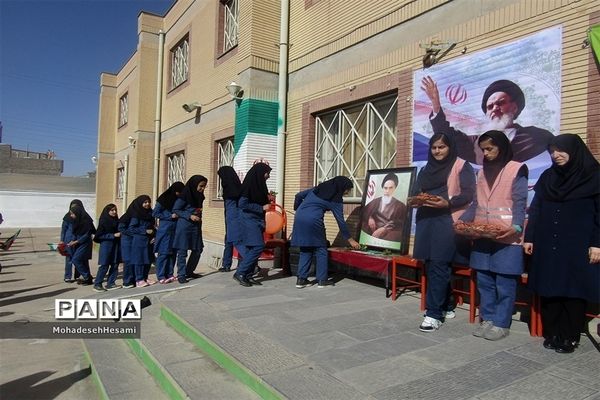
x=179 y=62
x=123 y=109
x=230 y=24
x=120 y=182
x=175 y=168
x=225 y=154
x=349 y=141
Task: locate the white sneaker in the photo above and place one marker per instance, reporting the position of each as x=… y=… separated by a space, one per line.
x=430 y=324
x=449 y=314
x=482 y=328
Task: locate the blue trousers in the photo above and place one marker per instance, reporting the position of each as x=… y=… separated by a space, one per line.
x=250 y=255
x=186 y=268
x=497 y=293
x=228 y=255
x=438 y=288
x=305 y=259
x=82 y=266
x=69 y=268
x=112 y=274
x=128 y=273
x=165 y=264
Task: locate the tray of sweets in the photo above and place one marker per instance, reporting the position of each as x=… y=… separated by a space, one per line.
x=421 y=199
x=478 y=229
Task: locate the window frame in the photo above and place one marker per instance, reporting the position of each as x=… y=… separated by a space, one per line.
x=173 y=62
x=123 y=110
x=120 y=183
x=227 y=152
x=172 y=178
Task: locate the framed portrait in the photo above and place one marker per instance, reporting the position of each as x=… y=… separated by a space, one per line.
x=385 y=219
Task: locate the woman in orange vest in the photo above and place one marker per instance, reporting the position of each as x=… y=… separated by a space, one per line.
x=501 y=199
x=452 y=181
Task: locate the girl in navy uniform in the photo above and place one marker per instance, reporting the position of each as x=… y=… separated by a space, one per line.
x=66 y=235
x=81 y=245
x=563 y=237
x=309 y=229
x=253 y=202
x=141 y=229
x=126 y=238
x=230 y=182
x=188 y=231
x=452 y=181
x=167 y=220
x=501 y=198
x=109 y=255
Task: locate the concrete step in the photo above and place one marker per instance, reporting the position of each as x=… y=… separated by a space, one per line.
x=190 y=372
x=118 y=373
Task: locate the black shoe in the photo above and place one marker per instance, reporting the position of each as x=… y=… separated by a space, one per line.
x=88 y=281
x=99 y=288
x=223 y=269
x=182 y=280
x=323 y=284
x=69 y=280
x=242 y=280
x=551 y=343
x=565 y=347
x=254 y=281
x=302 y=283
x=193 y=275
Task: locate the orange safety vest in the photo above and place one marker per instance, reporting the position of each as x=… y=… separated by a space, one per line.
x=494 y=206
x=454 y=186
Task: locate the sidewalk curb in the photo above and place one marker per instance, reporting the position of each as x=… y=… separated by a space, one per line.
x=227 y=362
x=163 y=379
x=95 y=377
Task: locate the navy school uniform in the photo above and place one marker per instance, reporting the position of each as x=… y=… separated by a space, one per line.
x=188 y=236
x=163 y=245
x=66 y=235
x=233 y=233
x=82 y=253
x=140 y=255
x=126 y=241
x=252 y=226
x=309 y=231
x=109 y=258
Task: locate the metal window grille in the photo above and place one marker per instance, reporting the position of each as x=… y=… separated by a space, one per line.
x=225 y=157
x=123 y=109
x=354 y=139
x=175 y=168
x=179 y=63
x=230 y=27
x=120 y=182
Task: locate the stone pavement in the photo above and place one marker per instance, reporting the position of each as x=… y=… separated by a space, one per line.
x=342 y=342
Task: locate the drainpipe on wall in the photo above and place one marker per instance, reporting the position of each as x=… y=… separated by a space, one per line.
x=157 y=120
x=125 y=182
x=282 y=94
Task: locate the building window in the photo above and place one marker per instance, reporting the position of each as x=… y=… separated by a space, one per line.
x=120 y=182
x=230 y=24
x=354 y=139
x=225 y=154
x=179 y=62
x=175 y=168
x=123 y=109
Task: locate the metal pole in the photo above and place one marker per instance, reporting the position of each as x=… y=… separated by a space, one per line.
x=282 y=97
x=161 y=41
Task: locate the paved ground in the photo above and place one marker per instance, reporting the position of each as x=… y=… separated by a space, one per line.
x=344 y=342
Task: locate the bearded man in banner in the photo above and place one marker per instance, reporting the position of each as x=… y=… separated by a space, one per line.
x=502 y=103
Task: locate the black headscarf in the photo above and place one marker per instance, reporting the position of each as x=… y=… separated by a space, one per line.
x=137 y=210
x=169 y=196
x=578 y=178
x=230 y=181
x=82 y=223
x=491 y=169
x=435 y=173
x=190 y=192
x=79 y=203
x=106 y=223
x=333 y=189
x=254 y=186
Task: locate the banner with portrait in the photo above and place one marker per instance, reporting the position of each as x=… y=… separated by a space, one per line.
x=470 y=88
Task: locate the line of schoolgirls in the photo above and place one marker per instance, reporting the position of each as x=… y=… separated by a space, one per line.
x=134 y=238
